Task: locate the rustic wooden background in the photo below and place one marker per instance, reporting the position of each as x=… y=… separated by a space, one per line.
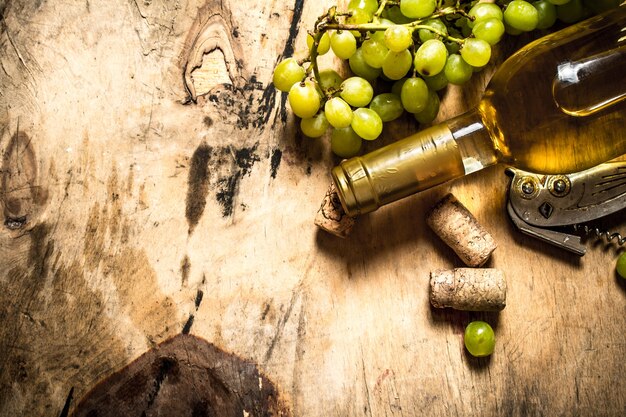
x=154 y=188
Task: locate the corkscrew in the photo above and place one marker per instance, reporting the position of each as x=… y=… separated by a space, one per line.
x=543 y=206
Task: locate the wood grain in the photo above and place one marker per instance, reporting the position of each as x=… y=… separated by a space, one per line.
x=132 y=181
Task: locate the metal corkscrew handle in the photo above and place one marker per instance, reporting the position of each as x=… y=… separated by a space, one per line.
x=538 y=203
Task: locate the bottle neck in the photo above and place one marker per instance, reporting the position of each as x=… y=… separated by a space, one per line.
x=428 y=158
x=475 y=143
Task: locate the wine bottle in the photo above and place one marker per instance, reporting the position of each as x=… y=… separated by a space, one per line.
x=556 y=106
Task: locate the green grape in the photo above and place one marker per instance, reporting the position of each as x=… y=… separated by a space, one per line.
x=570 y=12
x=431 y=57
x=357 y=91
x=430 y=111
x=388 y=106
x=398 y=38
x=367 y=123
x=315 y=126
x=374 y=53
x=414 y=95
x=559 y=2
x=620 y=267
x=396 y=88
x=457 y=71
x=489 y=30
x=437 y=24
x=323 y=46
x=370 y=6
x=484 y=11
x=343 y=44
x=479 y=339
x=338 y=112
x=521 y=15
x=600 y=6
x=436 y=82
x=287 y=73
x=476 y=52
x=417 y=9
x=547 y=14
x=330 y=79
x=360 y=68
x=395 y=15
x=359 y=16
x=344 y=142
x=304 y=99
x=397 y=64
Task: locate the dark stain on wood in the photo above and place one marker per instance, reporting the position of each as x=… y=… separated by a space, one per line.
x=242 y=162
x=198 y=185
x=190 y=320
x=68 y=401
x=185 y=267
x=275 y=159
x=185 y=376
x=21 y=196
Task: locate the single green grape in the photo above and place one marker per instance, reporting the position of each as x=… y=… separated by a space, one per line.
x=511 y=30
x=359 y=16
x=430 y=111
x=571 y=12
x=620 y=267
x=323 y=46
x=437 y=24
x=304 y=99
x=329 y=78
x=367 y=123
x=457 y=71
x=398 y=38
x=374 y=53
x=397 y=64
x=521 y=15
x=315 y=126
x=344 y=142
x=360 y=68
x=388 y=106
x=479 y=339
x=417 y=9
x=343 y=44
x=484 y=11
x=414 y=95
x=430 y=58
x=547 y=14
x=437 y=82
x=338 y=112
x=357 y=91
x=476 y=52
x=287 y=73
x=490 y=30
x=370 y=6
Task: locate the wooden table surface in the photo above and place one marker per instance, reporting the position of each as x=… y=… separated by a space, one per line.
x=158 y=249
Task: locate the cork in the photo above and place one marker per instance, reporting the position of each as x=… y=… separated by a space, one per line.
x=460 y=230
x=468 y=289
x=331 y=217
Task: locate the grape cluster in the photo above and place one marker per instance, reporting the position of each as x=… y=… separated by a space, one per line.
x=401 y=54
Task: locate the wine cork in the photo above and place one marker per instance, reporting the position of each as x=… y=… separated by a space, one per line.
x=460 y=230
x=469 y=289
x=331 y=217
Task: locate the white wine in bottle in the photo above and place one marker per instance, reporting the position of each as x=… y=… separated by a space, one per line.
x=556 y=106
